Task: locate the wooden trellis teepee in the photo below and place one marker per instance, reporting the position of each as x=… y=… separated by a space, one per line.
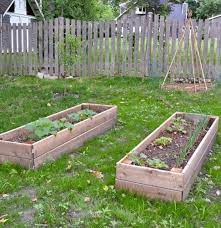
x=197 y=81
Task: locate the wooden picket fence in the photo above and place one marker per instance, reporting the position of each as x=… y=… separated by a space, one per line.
x=140 y=47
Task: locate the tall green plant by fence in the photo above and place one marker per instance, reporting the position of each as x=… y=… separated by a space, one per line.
x=133 y=47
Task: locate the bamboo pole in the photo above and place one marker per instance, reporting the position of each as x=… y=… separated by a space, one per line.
x=174 y=57
x=192 y=58
x=199 y=57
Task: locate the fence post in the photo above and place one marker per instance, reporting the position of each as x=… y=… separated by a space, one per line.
x=148 y=45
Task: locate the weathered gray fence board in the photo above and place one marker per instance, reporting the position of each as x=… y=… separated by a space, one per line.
x=155 y=43
x=118 y=55
x=90 y=29
x=60 y=45
x=101 y=45
x=107 y=26
x=73 y=33
x=95 y=49
x=51 y=48
x=113 y=25
x=84 y=49
x=148 y=45
x=161 y=43
x=142 y=45
x=124 y=57
x=56 y=38
x=136 y=44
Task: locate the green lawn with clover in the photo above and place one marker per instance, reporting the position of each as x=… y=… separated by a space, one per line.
x=77 y=190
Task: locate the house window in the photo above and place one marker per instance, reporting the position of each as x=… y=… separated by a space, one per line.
x=140 y=10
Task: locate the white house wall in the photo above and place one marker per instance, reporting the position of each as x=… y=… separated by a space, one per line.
x=21 y=7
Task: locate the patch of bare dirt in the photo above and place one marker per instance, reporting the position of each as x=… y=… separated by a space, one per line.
x=77 y=214
x=29 y=192
x=187 y=87
x=28 y=215
x=60 y=96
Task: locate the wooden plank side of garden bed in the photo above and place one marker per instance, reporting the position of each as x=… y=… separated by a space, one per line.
x=149 y=191
x=97 y=107
x=65 y=135
x=75 y=143
x=150 y=176
x=14 y=149
x=13 y=133
x=27 y=163
x=194 y=164
x=197 y=168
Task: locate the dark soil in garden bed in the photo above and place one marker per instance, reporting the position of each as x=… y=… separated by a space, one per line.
x=169 y=153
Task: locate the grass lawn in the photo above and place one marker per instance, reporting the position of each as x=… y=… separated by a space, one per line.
x=65 y=194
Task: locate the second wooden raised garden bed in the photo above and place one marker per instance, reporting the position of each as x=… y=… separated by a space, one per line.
x=166 y=163
x=17 y=146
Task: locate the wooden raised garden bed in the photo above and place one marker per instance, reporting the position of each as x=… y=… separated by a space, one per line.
x=166 y=163
x=25 y=146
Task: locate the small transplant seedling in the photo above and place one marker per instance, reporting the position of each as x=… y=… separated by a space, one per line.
x=157 y=163
x=82 y=115
x=142 y=160
x=178 y=125
x=163 y=141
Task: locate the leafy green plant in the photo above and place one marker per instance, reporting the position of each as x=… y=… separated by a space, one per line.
x=82 y=115
x=178 y=125
x=163 y=141
x=142 y=160
x=157 y=163
x=201 y=125
x=62 y=124
x=45 y=127
x=68 y=52
x=136 y=160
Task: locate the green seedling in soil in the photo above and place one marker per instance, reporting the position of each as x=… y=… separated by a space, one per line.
x=163 y=141
x=157 y=163
x=62 y=124
x=178 y=125
x=142 y=160
x=201 y=125
x=82 y=115
x=136 y=160
x=45 y=127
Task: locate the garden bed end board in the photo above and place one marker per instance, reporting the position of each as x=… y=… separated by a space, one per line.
x=173 y=185
x=65 y=141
